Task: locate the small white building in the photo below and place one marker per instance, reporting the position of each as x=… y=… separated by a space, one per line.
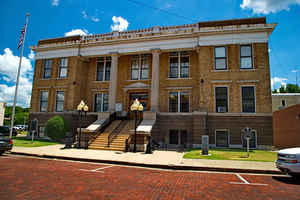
x=2 y=111
x=283 y=100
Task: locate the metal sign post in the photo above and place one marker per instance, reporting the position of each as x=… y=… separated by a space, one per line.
x=247 y=135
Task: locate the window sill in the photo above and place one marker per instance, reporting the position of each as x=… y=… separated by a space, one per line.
x=220 y=70
x=45 y=79
x=189 y=78
x=139 y=80
x=250 y=69
x=62 y=78
x=100 y=81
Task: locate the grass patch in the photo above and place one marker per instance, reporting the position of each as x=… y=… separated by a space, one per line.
x=24 y=142
x=233 y=154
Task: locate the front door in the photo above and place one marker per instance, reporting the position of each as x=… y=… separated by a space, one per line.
x=143 y=99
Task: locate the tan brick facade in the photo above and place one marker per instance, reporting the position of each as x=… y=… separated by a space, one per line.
x=81 y=84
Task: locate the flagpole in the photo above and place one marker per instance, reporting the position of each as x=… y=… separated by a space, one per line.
x=17 y=83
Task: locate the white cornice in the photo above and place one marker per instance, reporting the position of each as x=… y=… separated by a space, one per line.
x=147 y=46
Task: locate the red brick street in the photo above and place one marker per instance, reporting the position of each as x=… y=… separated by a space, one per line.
x=33 y=178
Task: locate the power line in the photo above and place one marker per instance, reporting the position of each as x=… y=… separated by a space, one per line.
x=161 y=10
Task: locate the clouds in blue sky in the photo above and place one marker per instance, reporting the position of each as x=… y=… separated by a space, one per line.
x=119 y=24
x=9 y=64
x=268 y=6
x=55 y=2
x=77 y=32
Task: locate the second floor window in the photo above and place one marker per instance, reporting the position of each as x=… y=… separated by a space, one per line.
x=139 y=67
x=43 y=101
x=220 y=58
x=179 y=102
x=60 y=99
x=179 y=65
x=246 y=57
x=101 y=102
x=47 y=69
x=63 y=68
x=248 y=99
x=103 y=69
x=221 y=95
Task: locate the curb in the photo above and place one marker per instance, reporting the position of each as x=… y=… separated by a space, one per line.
x=156 y=166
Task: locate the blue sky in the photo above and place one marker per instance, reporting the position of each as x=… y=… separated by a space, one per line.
x=57 y=18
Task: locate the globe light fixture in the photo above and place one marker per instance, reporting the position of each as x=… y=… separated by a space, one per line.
x=82 y=109
x=136 y=107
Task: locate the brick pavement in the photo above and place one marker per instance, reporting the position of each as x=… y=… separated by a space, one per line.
x=32 y=178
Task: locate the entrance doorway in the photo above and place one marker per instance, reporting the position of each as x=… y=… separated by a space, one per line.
x=143 y=99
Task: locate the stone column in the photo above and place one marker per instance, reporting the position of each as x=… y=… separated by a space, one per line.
x=113 y=83
x=155 y=81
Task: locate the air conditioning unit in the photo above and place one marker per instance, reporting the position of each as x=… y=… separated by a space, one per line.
x=221 y=109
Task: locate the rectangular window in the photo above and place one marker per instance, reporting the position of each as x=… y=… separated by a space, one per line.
x=222 y=139
x=47 y=69
x=179 y=64
x=139 y=67
x=103 y=69
x=248 y=99
x=63 y=68
x=221 y=97
x=173 y=136
x=101 y=102
x=60 y=99
x=43 y=101
x=220 y=58
x=246 y=57
x=179 y=102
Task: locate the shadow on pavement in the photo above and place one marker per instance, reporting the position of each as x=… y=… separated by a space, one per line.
x=288 y=180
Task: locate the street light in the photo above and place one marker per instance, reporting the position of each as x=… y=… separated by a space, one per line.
x=136 y=107
x=82 y=109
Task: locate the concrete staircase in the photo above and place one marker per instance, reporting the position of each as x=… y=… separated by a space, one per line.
x=122 y=130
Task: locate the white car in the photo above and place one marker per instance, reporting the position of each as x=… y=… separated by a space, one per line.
x=288 y=161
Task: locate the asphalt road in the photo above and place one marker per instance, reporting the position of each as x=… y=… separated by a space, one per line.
x=33 y=178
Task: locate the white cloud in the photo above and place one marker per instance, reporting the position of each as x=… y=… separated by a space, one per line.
x=9 y=64
x=84 y=14
x=77 y=32
x=268 y=6
x=95 y=19
x=294 y=71
x=55 y=2
x=281 y=81
x=120 y=24
x=31 y=56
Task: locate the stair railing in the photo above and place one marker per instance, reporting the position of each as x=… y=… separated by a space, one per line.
x=115 y=132
x=96 y=133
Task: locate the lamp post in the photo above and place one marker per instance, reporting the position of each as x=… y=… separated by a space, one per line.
x=82 y=109
x=135 y=107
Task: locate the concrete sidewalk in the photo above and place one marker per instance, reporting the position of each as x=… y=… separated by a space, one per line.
x=158 y=159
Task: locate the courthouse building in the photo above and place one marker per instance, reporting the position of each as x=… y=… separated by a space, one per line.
x=207 y=78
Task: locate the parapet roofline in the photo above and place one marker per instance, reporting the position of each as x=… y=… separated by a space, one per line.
x=231 y=22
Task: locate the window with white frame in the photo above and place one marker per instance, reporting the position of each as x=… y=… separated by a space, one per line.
x=101 y=102
x=222 y=138
x=103 y=68
x=179 y=102
x=220 y=58
x=252 y=140
x=140 y=67
x=60 y=100
x=221 y=99
x=179 y=64
x=47 y=69
x=248 y=99
x=246 y=57
x=63 y=68
x=43 y=101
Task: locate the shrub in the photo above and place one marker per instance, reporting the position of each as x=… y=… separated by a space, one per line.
x=56 y=128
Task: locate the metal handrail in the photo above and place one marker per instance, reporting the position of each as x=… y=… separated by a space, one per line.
x=115 y=132
x=96 y=133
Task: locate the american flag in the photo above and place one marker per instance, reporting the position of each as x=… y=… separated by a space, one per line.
x=22 y=36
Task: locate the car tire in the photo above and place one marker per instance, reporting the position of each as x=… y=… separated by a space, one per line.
x=1 y=152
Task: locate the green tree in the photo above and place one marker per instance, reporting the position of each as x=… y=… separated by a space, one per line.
x=20 y=114
x=56 y=128
x=290 y=88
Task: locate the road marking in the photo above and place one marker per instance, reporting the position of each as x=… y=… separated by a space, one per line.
x=245 y=182
x=96 y=170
